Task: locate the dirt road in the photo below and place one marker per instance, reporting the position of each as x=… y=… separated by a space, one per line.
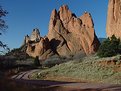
x=23 y=78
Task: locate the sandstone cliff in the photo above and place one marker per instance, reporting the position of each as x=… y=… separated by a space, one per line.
x=67 y=35
x=114 y=18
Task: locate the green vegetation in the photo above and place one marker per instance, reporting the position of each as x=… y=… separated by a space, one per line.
x=19 y=53
x=84 y=70
x=36 y=61
x=109 y=47
x=16 y=59
x=54 y=60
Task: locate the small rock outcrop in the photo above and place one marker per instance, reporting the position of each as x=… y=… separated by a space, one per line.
x=37 y=45
x=114 y=18
x=35 y=36
x=67 y=35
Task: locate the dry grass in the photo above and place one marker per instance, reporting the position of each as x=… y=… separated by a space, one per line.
x=89 y=69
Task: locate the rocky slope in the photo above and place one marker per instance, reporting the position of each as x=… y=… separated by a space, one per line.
x=114 y=18
x=67 y=35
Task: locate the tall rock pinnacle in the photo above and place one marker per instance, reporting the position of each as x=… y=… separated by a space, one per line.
x=71 y=34
x=114 y=18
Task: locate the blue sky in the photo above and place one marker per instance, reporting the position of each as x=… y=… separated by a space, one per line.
x=24 y=15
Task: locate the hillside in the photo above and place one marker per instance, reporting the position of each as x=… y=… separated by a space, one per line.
x=88 y=69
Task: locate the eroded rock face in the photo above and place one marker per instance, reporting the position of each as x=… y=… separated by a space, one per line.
x=37 y=45
x=69 y=34
x=114 y=18
x=38 y=48
x=35 y=36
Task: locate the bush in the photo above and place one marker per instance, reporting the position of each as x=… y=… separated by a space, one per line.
x=109 y=47
x=54 y=60
x=19 y=53
x=36 y=61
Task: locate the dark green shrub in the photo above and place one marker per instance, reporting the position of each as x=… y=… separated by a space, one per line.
x=36 y=61
x=109 y=47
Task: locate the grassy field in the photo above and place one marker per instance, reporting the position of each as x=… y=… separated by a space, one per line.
x=88 y=69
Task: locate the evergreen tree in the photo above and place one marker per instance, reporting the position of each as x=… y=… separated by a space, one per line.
x=36 y=61
x=109 y=47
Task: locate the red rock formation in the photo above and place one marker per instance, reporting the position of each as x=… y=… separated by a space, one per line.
x=114 y=18
x=68 y=35
x=71 y=34
x=35 y=36
x=37 y=45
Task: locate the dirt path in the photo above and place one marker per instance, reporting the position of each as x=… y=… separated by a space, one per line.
x=23 y=77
